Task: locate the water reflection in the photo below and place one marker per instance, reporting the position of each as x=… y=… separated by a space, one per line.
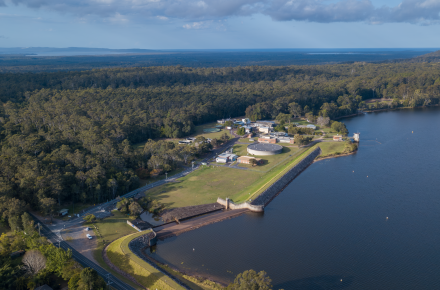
x=330 y=223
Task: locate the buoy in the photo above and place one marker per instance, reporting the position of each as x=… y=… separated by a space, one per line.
x=341 y=280
x=387 y=217
x=194 y=249
x=412 y=132
x=367 y=175
x=353 y=170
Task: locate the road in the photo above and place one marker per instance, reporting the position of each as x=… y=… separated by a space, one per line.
x=53 y=232
x=108 y=277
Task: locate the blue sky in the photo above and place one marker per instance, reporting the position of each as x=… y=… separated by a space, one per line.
x=207 y=24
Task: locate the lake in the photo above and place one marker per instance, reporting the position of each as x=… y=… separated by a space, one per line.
x=329 y=229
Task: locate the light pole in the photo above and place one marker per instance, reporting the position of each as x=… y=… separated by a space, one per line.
x=166 y=175
x=192 y=165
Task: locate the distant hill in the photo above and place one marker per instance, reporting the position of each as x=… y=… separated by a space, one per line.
x=68 y=51
x=429 y=57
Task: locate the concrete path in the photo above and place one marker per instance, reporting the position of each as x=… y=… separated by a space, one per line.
x=174 y=229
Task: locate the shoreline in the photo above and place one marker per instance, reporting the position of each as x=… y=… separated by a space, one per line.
x=385 y=109
x=334 y=156
x=191 y=274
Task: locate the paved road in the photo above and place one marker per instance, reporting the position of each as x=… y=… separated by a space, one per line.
x=53 y=232
x=108 y=277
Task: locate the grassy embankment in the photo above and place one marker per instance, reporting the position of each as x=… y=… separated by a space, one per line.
x=209 y=182
x=269 y=161
x=120 y=255
x=110 y=229
x=116 y=227
x=276 y=173
x=204 y=186
x=335 y=148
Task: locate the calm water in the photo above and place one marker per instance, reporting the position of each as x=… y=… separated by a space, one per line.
x=330 y=222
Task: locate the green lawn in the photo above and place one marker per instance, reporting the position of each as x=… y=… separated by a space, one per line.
x=145 y=274
x=209 y=182
x=205 y=185
x=199 y=131
x=143 y=182
x=268 y=161
x=331 y=148
x=277 y=172
x=110 y=229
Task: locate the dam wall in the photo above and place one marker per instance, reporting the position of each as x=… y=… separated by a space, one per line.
x=228 y=204
x=148 y=240
x=266 y=196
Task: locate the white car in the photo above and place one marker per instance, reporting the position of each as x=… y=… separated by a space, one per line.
x=89 y=237
x=87 y=229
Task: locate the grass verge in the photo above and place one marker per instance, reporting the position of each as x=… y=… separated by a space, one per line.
x=110 y=229
x=204 y=186
x=332 y=148
x=276 y=173
x=145 y=274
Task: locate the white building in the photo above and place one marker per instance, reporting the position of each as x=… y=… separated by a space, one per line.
x=264 y=129
x=356 y=137
x=226 y=157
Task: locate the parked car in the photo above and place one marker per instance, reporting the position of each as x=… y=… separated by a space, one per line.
x=89 y=237
x=87 y=229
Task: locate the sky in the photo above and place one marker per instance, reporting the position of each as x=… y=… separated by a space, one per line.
x=220 y=24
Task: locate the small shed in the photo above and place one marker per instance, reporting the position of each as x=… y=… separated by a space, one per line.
x=247 y=160
x=63 y=212
x=139 y=224
x=337 y=138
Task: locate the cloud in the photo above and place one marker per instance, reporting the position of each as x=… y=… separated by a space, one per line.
x=197 y=25
x=197 y=12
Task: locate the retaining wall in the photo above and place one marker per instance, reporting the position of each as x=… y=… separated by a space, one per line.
x=149 y=239
x=229 y=204
x=266 y=196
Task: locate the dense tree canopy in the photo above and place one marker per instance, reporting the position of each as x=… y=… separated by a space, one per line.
x=68 y=136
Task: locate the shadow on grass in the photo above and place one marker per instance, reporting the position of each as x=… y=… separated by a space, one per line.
x=123 y=263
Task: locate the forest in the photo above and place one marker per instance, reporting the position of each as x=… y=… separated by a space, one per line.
x=69 y=136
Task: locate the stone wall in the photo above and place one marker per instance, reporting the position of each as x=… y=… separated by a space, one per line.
x=231 y=205
x=264 y=198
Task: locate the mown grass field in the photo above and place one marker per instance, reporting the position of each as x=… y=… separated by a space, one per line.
x=145 y=274
x=110 y=229
x=199 y=131
x=331 y=148
x=204 y=186
x=268 y=161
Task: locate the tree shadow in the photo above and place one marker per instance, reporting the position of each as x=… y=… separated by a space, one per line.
x=323 y=282
x=122 y=262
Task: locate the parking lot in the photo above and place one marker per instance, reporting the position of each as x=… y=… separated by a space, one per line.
x=76 y=237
